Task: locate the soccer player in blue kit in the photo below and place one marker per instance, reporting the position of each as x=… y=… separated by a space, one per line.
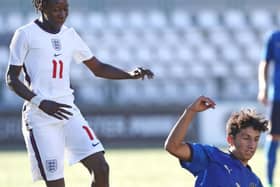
x=269 y=95
x=51 y=122
x=211 y=166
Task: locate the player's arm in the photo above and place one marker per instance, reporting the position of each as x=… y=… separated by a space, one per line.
x=57 y=110
x=263 y=81
x=107 y=71
x=12 y=80
x=174 y=143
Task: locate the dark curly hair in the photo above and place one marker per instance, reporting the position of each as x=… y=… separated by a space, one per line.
x=246 y=118
x=38 y=4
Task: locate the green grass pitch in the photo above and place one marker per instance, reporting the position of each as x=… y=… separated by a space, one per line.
x=151 y=167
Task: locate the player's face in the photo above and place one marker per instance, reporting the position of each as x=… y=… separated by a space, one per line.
x=56 y=12
x=244 y=145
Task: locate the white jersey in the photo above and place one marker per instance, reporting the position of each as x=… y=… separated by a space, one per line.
x=47 y=57
x=46 y=60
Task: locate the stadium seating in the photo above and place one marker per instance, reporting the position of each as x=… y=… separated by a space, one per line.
x=207 y=19
x=203 y=52
x=180 y=20
x=234 y=20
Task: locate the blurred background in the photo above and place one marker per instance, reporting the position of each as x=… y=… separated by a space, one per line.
x=194 y=47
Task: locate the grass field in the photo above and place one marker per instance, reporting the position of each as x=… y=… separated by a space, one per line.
x=151 y=167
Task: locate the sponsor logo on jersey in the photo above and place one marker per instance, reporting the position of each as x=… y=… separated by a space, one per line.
x=56 y=44
x=57 y=54
x=94 y=145
x=51 y=165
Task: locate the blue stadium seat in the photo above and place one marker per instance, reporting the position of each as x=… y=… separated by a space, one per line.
x=219 y=37
x=246 y=38
x=244 y=70
x=180 y=19
x=230 y=52
x=207 y=19
x=234 y=19
x=156 y=19
x=186 y=54
x=91 y=94
x=194 y=37
x=261 y=19
x=219 y=69
x=253 y=54
x=137 y=20
x=117 y=20
x=207 y=53
x=96 y=22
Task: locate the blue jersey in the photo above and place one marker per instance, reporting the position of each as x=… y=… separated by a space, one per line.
x=271 y=54
x=214 y=168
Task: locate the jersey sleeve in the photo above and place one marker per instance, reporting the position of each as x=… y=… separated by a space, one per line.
x=199 y=160
x=18 y=48
x=260 y=184
x=267 y=53
x=81 y=51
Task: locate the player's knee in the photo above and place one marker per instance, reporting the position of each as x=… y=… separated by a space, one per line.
x=96 y=164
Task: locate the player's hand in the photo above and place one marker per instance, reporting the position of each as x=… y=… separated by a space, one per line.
x=141 y=73
x=57 y=110
x=202 y=103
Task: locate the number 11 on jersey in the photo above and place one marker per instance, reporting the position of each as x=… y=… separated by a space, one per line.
x=55 y=68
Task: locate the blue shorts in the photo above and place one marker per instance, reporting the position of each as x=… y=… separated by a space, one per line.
x=275 y=118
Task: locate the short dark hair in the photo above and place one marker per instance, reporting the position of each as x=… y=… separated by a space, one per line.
x=246 y=118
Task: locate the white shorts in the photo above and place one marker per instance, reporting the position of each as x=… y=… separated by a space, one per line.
x=47 y=138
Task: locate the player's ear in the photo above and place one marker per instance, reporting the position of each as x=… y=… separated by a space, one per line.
x=230 y=139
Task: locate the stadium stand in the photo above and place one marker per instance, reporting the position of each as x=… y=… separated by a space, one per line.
x=193 y=46
x=209 y=52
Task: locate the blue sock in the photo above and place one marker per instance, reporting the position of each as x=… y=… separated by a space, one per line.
x=270 y=151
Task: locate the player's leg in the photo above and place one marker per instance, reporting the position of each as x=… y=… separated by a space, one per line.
x=45 y=147
x=272 y=142
x=83 y=146
x=271 y=152
x=98 y=168
x=56 y=183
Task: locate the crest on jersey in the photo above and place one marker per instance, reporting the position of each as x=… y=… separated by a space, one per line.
x=56 y=44
x=51 y=165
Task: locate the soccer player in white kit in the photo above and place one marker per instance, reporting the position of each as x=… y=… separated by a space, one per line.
x=44 y=49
